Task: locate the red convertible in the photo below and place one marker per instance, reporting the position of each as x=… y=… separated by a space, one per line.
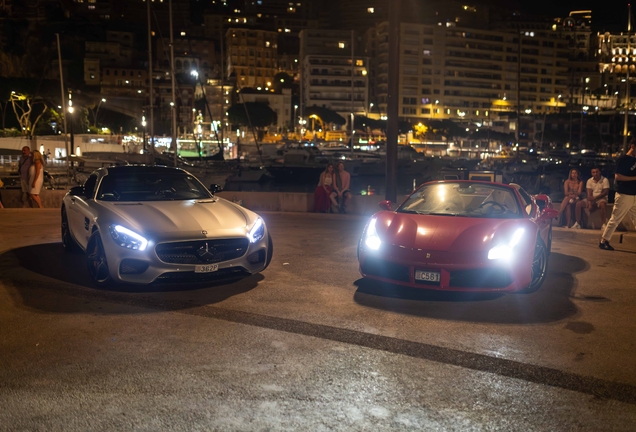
x=461 y=236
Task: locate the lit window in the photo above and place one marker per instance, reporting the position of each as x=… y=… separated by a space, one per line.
x=341 y=44
x=183 y=33
x=359 y=63
x=371 y=10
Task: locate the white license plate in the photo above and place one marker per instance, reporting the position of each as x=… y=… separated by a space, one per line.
x=206 y=268
x=426 y=276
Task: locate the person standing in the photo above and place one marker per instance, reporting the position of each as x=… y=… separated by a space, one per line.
x=597 y=190
x=24 y=164
x=36 y=177
x=625 y=200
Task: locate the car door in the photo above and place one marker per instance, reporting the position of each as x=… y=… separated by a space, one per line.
x=84 y=213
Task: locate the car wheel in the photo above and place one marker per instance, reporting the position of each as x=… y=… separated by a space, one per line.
x=539 y=267
x=96 y=260
x=67 y=239
x=270 y=251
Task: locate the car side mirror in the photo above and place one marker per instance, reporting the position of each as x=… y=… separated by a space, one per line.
x=542 y=201
x=214 y=188
x=386 y=205
x=77 y=191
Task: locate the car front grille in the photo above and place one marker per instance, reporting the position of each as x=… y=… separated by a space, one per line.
x=386 y=269
x=202 y=251
x=480 y=278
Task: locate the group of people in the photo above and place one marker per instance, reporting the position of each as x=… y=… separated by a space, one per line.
x=332 y=193
x=31 y=171
x=596 y=196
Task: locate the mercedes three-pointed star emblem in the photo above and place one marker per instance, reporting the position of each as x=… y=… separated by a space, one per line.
x=206 y=253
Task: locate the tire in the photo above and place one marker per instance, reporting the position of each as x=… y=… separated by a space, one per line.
x=270 y=251
x=96 y=261
x=69 y=243
x=539 y=267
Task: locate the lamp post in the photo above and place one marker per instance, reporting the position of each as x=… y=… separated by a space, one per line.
x=70 y=124
x=143 y=124
x=97 y=110
x=295 y=119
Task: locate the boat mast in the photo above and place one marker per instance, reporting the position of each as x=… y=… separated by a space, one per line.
x=151 y=99
x=627 y=87
x=66 y=147
x=173 y=104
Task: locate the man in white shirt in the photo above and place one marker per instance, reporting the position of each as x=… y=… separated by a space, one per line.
x=597 y=189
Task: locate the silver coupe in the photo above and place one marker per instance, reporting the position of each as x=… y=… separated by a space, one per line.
x=145 y=224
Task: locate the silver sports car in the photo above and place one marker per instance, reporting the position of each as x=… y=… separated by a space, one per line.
x=141 y=224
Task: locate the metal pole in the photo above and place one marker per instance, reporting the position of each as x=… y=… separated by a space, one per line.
x=353 y=73
x=222 y=91
x=59 y=60
x=518 y=91
x=627 y=89
x=174 y=98
x=392 y=101
x=151 y=96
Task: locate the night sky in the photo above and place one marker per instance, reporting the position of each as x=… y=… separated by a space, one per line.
x=608 y=15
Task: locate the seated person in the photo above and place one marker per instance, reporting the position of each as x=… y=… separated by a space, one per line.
x=597 y=189
x=573 y=188
x=341 y=193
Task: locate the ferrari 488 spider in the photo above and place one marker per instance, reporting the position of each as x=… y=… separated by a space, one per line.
x=461 y=236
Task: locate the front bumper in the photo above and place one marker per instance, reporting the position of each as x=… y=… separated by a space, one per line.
x=463 y=272
x=145 y=267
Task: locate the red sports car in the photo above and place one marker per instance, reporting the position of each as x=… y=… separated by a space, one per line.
x=461 y=236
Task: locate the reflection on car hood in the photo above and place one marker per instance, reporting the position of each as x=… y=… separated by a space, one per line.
x=180 y=219
x=443 y=233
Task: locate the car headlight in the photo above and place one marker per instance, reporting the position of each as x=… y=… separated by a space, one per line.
x=257 y=232
x=126 y=238
x=505 y=250
x=371 y=238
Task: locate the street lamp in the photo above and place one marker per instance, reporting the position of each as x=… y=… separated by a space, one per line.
x=71 y=110
x=295 y=118
x=97 y=110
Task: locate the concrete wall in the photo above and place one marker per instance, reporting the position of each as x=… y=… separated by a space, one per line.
x=279 y=202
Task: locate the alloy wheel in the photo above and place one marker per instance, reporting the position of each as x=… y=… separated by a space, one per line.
x=96 y=260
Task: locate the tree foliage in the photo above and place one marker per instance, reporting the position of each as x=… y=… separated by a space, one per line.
x=252 y=114
x=326 y=115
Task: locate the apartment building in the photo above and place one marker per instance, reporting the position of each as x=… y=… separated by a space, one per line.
x=333 y=74
x=449 y=72
x=615 y=54
x=280 y=103
x=252 y=56
x=190 y=54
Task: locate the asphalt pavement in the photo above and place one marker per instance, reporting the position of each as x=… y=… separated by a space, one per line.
x=308 y=345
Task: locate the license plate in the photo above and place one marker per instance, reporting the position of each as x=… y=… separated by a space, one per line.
x=427 y=276
x=206 y=268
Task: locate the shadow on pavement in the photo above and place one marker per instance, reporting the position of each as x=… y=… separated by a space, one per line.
x=58 y=271
x=550 y=303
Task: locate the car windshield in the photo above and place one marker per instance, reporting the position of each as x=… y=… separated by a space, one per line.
x=463 y=199
x=150 y=186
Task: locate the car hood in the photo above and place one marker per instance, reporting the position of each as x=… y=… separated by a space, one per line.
x=445 y=233
x=181 y=219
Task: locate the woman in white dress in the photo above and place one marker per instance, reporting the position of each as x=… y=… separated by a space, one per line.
x=36 y=177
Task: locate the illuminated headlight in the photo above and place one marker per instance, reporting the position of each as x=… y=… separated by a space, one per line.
x=371 y=239
x=126 y=238
x=505 y=250
x=257 y=232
